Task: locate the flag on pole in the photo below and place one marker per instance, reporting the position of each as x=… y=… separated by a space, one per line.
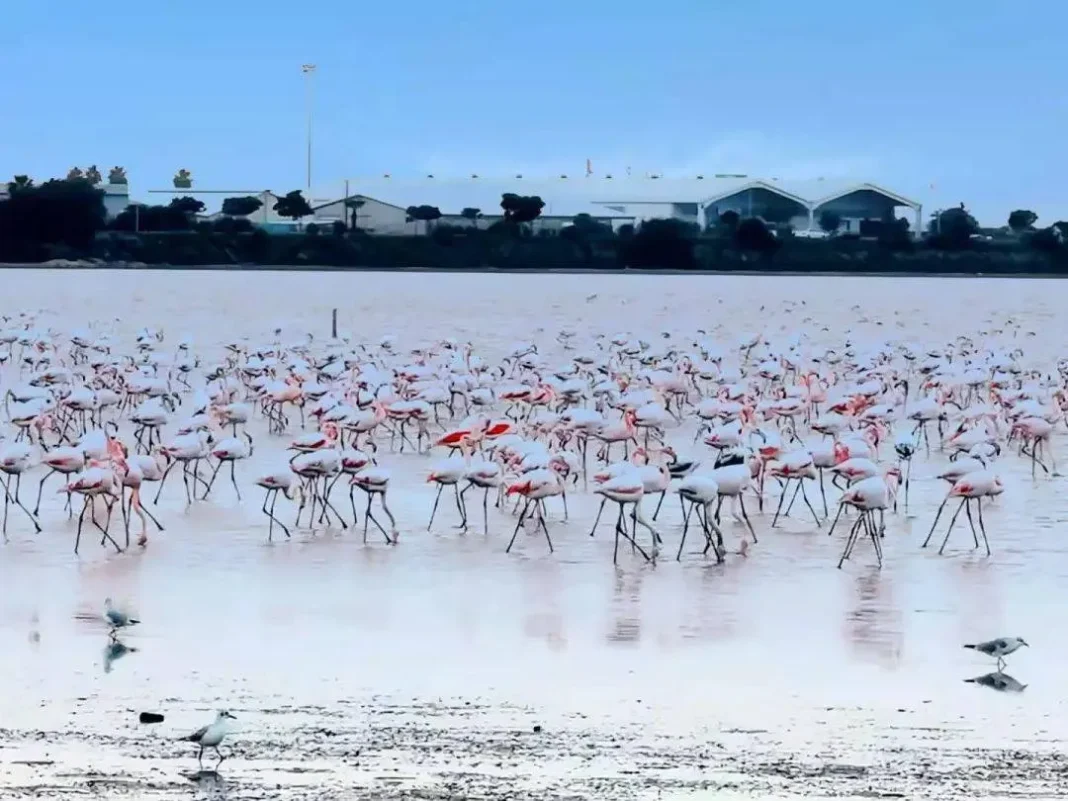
x=589 y=168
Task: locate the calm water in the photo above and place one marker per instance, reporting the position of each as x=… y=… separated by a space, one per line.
x=771 y=655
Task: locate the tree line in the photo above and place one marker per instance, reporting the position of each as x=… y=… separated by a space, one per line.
x=66 y=218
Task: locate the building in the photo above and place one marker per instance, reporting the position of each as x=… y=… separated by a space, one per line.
x=796 y=203
x=616 y=201
x=385 y=202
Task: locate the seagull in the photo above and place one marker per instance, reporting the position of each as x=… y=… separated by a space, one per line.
x=210 y=736
x=1000 y=648
x=117 y=618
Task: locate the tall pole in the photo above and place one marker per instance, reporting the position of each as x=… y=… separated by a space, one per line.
x=309 y=71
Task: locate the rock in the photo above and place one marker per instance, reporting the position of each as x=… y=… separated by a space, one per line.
x=151 y=717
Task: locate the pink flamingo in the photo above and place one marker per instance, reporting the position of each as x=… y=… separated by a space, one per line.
x=625 y=431
x=97 y=480
x=974 y=486
x=534 y=487
x=280 y=481
x=375 y=481
x=867 y=495
x=1036 y=431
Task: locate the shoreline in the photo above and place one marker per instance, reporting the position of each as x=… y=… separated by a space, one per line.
x=326 y=268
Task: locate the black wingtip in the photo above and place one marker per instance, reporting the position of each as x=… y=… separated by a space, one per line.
x=970 y=645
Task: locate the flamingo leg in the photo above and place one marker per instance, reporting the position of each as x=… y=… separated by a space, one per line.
x=934 y=525
x=518 y=525
x=952 y=521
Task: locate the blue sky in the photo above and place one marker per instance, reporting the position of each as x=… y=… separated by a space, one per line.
x=969 y=96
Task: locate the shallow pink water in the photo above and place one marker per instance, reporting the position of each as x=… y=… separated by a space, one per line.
x=777 y=653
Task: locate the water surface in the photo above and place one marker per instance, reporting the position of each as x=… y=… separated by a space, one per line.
x=366 y=669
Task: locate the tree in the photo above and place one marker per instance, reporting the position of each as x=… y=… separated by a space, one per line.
x=75 y=174
x=521 y=208
x=19 y=184
x=729 y=220
x=183 y=179
x=952 y=229
x=187 y=205
x=425 y=214
x=92 y=175
x=293 y=205
x=311 y=229
x=894 y=235
x=139 y=217
x=830 y=221
x=233 y=225
x=117 y=176
x=666 y=243
x=754 y=235
x=585 y=228
x=241 y=206
x=354 y=204
x=68 y=213
x=471 y=214
x=1022 y=220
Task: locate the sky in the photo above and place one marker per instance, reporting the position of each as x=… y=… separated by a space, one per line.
x=944 y=101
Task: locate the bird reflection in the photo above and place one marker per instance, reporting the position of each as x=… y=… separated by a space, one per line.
x=210 y=781
x=626 y=603
x=874 y=624
x=115 y=651
x=1002 y=682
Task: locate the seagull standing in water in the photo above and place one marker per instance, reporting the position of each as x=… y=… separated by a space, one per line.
x=117 y=618
x=210 y=736
x=999 y=648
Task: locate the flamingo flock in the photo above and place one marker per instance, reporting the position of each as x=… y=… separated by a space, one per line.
x=771 y=423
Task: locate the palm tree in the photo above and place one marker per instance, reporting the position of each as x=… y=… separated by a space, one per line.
x=355 y=204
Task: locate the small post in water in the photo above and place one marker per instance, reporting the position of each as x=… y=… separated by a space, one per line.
x=333 y=324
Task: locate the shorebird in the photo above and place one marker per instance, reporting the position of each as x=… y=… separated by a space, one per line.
x=999 y=648
x=117 y=618
x=211 y=736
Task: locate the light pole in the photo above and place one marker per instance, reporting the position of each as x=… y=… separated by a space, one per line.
x=308 y=70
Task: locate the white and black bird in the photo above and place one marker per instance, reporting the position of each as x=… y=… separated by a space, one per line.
x=211 y=736
x=117 y=618
x=999 y=648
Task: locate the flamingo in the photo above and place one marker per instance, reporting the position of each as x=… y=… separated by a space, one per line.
x=973 y=486
x=701 y=492
x=280 y=481
x=624 y=489
x=534 y=487
x=375 y=481
x=867 y=495
x=485 y=475
x=229 y=450
x=448 y=473
x=186 y=449
x=1037 y=432
x=93 y=482
x=315 y=467
x=624 y=431
x=794 y=466
x=65 y=461
x=15 y=459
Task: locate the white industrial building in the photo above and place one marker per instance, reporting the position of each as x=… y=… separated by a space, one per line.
x=615 y=201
